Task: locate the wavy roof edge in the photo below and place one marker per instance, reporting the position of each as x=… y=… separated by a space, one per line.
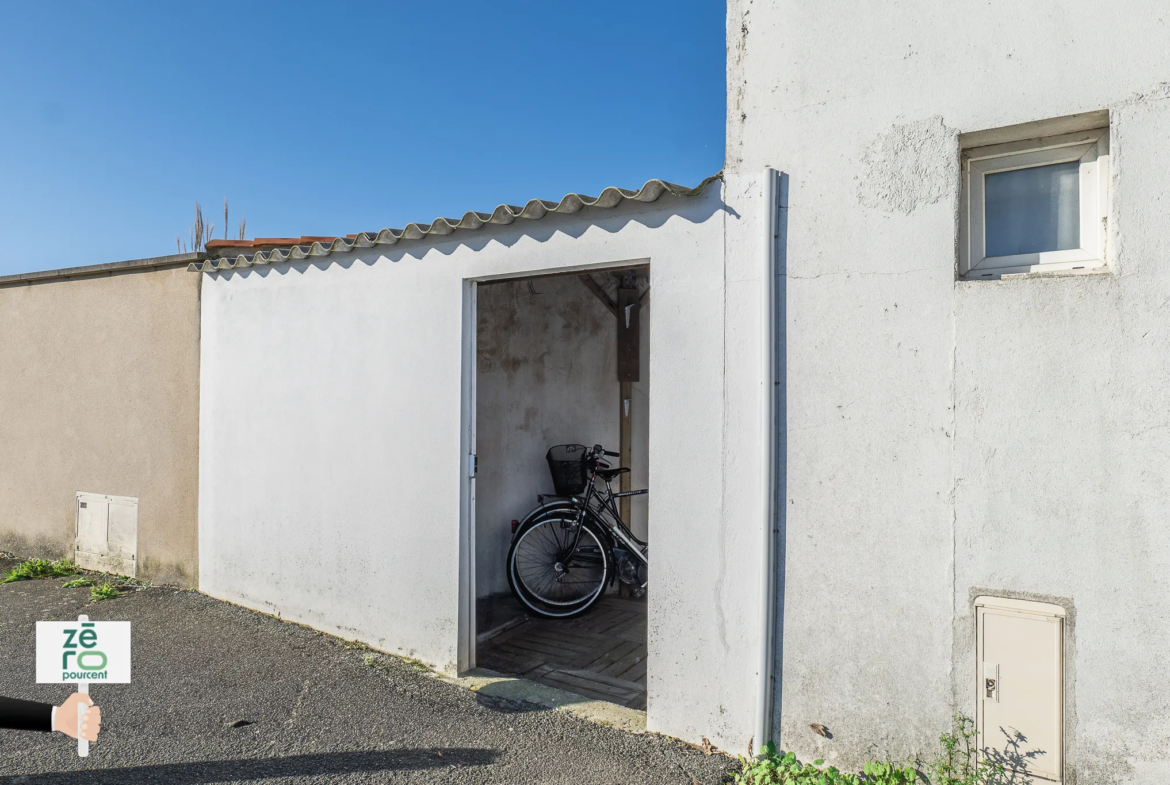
x=503 y=215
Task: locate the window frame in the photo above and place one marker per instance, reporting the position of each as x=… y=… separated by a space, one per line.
x=1090 y=149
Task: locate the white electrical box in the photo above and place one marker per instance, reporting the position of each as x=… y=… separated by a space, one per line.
x=1020 y=671
x=107 y=533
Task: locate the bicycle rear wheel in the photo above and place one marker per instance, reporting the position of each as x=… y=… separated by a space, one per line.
x=551 y=577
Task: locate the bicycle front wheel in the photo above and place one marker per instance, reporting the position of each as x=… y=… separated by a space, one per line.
x=552 y=577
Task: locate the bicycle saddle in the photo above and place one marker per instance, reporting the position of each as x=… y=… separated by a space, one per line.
x=609 y=474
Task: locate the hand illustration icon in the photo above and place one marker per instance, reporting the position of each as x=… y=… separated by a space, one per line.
x=65 y=717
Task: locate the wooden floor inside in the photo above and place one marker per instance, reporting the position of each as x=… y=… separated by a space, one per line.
x=601 y=654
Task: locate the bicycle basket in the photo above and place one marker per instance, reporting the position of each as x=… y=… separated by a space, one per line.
x=567 y=464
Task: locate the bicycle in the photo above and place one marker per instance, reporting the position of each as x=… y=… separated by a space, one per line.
x=566 y=551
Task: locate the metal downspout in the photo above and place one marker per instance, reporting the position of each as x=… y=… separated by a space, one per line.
x=768 y=463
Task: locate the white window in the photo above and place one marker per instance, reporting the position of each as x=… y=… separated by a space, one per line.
x=1035 y=206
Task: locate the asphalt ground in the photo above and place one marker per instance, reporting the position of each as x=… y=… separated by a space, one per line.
x=221 y=694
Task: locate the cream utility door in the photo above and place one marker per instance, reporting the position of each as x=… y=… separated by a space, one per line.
x=107 y=533
x=1020 y=691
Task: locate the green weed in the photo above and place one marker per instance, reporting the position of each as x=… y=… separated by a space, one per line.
x=382 y=663
x=77 y=583
x=959 y=762
x=40 y=568
x=772 y=767
x=888 y=773
x=418 y=665
x=377 y=663
x=105 y=591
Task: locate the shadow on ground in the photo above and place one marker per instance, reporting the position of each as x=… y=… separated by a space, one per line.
x=222 y=694
x=198 y=773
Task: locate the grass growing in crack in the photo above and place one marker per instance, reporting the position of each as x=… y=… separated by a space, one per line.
x=418 y=665
x=40 y=568
x=110 y=589
x=106 y=591
x=77 y=583
x=377 y=663
x=383 y=663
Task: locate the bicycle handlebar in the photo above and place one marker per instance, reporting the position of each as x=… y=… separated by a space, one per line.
x=599 y=450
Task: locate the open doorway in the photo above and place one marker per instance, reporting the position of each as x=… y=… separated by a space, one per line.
x=562 y=360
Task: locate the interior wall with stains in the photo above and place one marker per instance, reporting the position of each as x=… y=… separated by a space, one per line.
x=547 y=375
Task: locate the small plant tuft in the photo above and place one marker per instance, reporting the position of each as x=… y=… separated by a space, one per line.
x=888 y=773
x=201 y=233
x=776 y=767
x=377 y=663
x=418 y=665
x=959 y=763
x=105 y=591
x=77 y=583
x=40 y=568
x=382 y=662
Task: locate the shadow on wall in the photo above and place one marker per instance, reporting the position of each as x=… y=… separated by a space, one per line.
x=695 y=210
x=1012 y=759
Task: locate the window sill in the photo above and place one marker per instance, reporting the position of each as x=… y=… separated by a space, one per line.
x=1008 y=275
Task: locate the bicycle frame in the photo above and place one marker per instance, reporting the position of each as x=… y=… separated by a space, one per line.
x=611 y=521
x=596 y=505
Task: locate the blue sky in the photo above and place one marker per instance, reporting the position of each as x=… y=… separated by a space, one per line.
x=332 y=118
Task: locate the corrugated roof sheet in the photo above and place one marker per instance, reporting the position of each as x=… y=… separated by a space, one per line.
x=503 y=215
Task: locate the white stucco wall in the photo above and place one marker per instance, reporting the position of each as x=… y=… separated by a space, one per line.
x=947 y=438
x=331 y=466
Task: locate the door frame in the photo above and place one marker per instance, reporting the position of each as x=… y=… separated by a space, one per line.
x=467 y=591
x=466 y=645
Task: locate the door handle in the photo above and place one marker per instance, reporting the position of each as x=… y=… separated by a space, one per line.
x=990 y=682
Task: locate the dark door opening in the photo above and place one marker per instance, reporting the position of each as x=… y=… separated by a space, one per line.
x=562 y=360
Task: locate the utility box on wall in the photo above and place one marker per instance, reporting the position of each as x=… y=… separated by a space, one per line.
x=107 y=533
x=1020 y=672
